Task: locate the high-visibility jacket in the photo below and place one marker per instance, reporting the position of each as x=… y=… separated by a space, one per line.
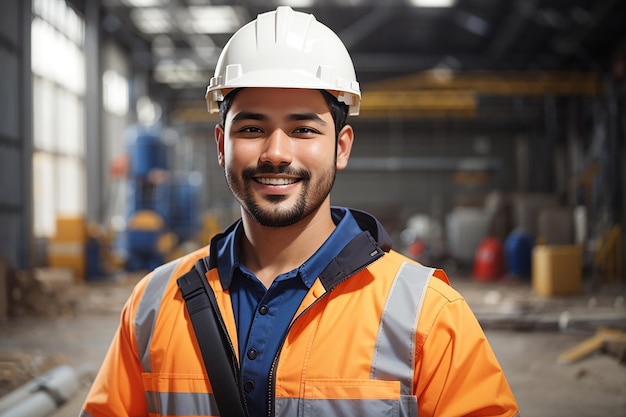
x=376 y=335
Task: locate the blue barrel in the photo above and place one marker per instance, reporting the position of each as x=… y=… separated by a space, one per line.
x=518 y=248
x=95 y=267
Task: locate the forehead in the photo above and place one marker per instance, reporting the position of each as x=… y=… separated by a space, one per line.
x=276 y=100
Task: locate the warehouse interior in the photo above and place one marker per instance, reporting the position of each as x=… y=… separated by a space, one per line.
x=491 y=143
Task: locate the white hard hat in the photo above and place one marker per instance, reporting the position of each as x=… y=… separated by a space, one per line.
x=285 y=49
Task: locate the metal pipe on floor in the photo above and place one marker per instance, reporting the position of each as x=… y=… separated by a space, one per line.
x=42 y=395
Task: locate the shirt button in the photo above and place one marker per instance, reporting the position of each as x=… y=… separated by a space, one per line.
x=253 y=353
x=264 y=309
x=248 y=386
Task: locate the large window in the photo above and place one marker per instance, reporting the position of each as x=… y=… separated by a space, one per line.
x=58 y=67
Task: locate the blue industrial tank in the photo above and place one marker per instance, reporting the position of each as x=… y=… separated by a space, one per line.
x=178 y=203
x=146 y=151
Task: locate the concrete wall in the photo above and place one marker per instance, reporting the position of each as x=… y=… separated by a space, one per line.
x=425 y=167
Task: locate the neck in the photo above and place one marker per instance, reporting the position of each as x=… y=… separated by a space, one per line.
x=271 y=251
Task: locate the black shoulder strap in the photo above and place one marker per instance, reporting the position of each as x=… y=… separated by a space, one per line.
x=214 y=345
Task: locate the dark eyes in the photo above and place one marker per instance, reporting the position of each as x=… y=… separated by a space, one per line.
x=298 y=131
x=307 y=130
x=250 y=129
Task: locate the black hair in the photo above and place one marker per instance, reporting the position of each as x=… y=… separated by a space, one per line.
x=338 y=110
x=226 y=103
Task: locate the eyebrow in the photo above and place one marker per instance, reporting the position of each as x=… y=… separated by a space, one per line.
x=307 y=116
x=246 y=115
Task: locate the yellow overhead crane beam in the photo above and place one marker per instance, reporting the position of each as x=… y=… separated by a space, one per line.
x=416 y=103
x=442 y=93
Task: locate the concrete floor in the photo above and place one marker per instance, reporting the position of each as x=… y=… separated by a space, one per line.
x=594 y=386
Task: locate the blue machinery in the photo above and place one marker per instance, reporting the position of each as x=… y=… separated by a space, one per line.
x=160 y=202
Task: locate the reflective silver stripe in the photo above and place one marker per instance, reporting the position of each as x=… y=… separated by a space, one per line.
x=335 y=407
x=165 y=403
x=394 y=354
x=148 y=310
x=83 y=413
x=181 y=403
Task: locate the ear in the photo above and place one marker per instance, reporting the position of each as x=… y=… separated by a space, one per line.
x=219 y=140
x=344 y=146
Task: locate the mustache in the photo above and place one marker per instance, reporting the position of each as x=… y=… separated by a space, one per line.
x=249 y=173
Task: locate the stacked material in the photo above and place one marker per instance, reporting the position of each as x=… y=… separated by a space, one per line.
x=67 y=248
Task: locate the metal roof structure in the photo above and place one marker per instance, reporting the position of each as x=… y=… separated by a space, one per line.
x=178 y=42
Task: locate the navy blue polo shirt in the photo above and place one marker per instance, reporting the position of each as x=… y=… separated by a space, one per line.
x=263 y=314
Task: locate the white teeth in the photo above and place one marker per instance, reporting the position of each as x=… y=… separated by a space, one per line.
x=276 y=181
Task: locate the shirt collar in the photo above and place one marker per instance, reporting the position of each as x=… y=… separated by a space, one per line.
x=346 y=229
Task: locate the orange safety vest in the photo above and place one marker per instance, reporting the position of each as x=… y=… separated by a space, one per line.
x=388 y=338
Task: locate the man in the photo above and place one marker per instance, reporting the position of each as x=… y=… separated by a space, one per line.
x=323 y=318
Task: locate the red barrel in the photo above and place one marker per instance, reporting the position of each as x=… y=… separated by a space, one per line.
x=489 y=260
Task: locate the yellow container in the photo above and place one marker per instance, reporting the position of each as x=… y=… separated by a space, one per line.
x=557 y=269
x=71 y=229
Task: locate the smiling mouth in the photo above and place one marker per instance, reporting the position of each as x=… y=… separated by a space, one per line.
x=276 y=181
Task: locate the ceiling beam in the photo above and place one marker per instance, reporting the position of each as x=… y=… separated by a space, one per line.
x=510 y=28
x=367 y=25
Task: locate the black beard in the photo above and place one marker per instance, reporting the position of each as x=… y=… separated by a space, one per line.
x=275 y=217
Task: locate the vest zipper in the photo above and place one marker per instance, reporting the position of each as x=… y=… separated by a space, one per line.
x=272 y=375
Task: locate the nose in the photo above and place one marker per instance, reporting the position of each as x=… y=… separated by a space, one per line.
x=277 y=150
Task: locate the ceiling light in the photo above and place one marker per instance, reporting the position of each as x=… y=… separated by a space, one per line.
x=433 y=3
x=151 y=21
x=296 y=3
x=144 y=3
x=179 y=74
x=163 y=45
x=214 y=19
x=203 y=45
x=472 y=23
